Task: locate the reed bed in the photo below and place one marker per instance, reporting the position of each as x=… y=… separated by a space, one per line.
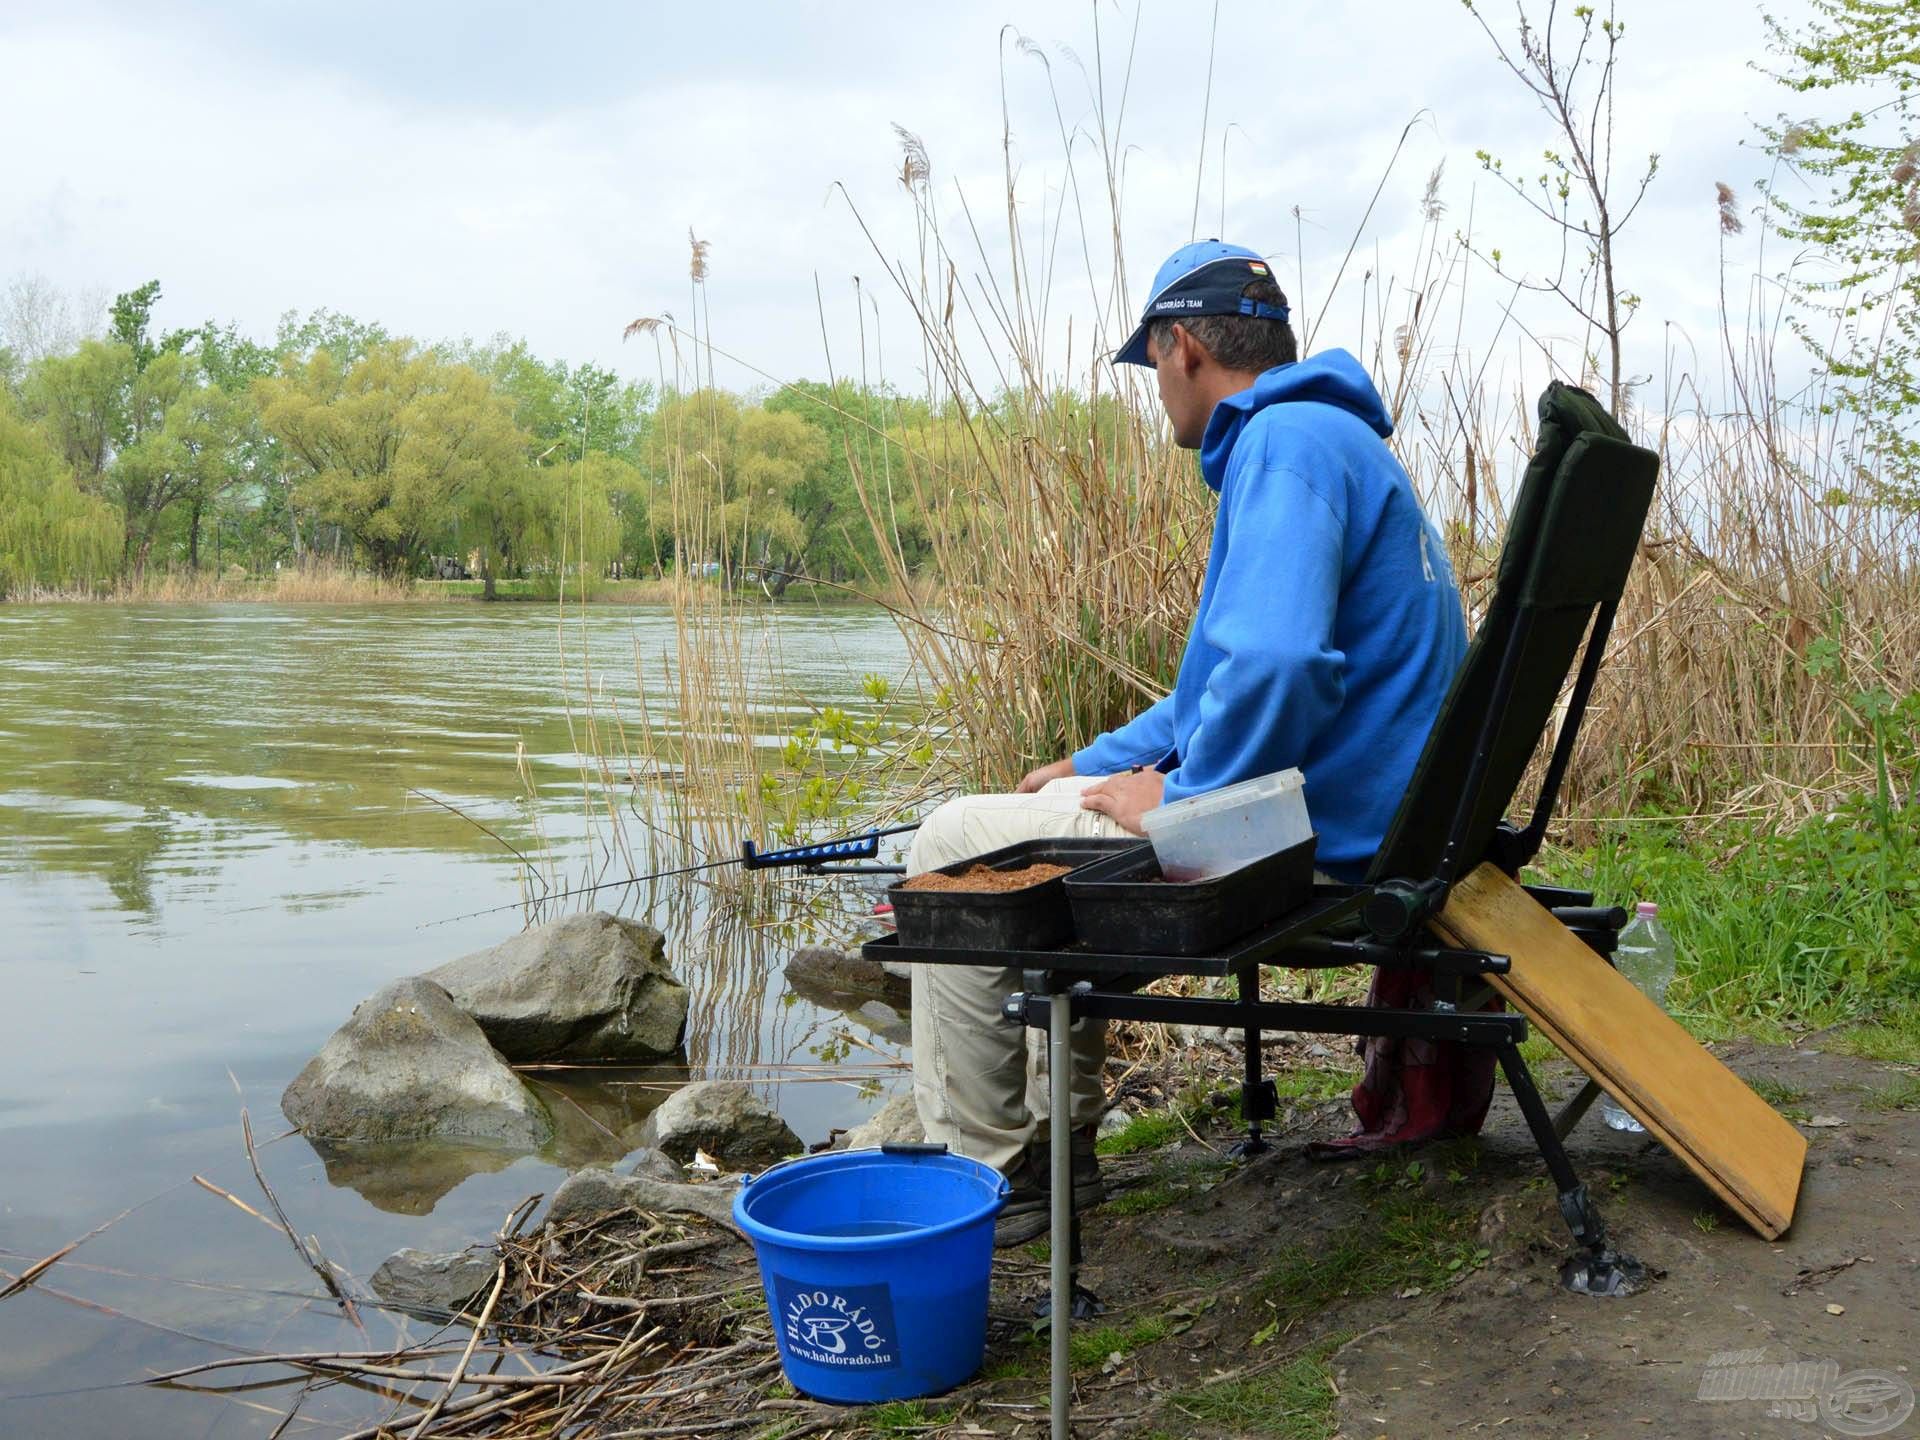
x=295 y=585
x=1773 y=609
x=1775 y=597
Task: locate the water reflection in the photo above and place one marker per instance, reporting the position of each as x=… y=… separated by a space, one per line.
x=597 y=1115
x=210 y=852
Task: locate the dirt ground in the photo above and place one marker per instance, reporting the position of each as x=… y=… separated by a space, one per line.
x=1419 y=1296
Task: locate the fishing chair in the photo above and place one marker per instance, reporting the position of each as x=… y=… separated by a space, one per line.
x=1442 y=896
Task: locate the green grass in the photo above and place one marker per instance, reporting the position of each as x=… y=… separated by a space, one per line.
x=1903 y=1094
x=1781 y=1096
x=1157 y=1129
x=1170 y=1181
x=1089 y=1349
x=1777 y=1093
x=1294 y=1402
x=1153 y=1130
x=1021 y=1365
x=1779 y=932
x=1407 y=1238
x=898 y=1417
x=1313 y=1083
x=1537 y=1050
x=1896 y=1039
x=1154 y=1195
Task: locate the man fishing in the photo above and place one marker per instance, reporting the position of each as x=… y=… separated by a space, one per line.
x=1327 y=632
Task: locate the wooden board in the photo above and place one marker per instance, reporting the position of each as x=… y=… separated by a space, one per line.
x=1661 y=1075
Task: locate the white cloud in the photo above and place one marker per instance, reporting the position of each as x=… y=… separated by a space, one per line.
x=465 y=171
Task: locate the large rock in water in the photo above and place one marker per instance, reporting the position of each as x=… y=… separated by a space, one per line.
x=897 y=1121
x=422 y=1281
x=589 y=987
x=724 y=1118
x=823 y=969
x=410 y=1065
x=591 y=1194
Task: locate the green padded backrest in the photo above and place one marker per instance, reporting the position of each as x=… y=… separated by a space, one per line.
x=1570 y=541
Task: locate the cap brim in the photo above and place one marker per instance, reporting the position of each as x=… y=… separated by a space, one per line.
x=1134 y=352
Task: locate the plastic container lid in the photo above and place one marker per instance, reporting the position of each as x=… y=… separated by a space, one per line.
x=1646 y=908
x=1230 y=797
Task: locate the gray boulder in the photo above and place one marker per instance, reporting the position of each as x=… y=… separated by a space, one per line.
x=410 y=1065
x=654 y=1166
x=896 y=1122
x=419 y=1280
x=819 y=969
x=589 y=987
x=884 y=1021
x=592 y=1194
x=724 y=1118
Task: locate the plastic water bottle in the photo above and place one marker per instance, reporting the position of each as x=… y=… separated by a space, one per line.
x=1645 y=956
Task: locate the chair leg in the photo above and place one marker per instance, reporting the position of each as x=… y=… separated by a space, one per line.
x=1596 y=1267
x=1258 y=1100
x=1575 y=1109
x=1258 y=1104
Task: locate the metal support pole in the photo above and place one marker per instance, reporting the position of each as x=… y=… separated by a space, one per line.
x=1571 y=1113
x=1060 y=1127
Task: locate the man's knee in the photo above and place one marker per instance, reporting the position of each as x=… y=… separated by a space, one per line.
x=938 y=841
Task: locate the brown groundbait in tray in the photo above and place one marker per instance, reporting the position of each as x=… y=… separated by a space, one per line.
x=984 y=878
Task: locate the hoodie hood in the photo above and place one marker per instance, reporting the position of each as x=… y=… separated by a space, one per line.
x=1333 y=377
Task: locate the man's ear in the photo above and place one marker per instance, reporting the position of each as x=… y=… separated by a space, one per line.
x=1188 y=353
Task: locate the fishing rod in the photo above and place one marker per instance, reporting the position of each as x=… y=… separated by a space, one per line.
x=827 y=857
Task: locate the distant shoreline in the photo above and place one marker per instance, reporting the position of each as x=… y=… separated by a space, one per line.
x=333 y=588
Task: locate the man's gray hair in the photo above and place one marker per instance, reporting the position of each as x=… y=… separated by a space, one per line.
x=1238 y=342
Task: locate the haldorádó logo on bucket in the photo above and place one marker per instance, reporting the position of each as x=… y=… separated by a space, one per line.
x=850 y=1325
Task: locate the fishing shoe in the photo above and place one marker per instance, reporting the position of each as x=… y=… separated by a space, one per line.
x=1089 y=1186
x=1029 y=1207
x=1024 y=1217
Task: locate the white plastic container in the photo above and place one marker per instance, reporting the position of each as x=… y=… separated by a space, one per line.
x=1222 y=830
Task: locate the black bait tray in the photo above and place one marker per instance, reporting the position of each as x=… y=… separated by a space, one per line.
x=1034 y=918
x=1123 y=904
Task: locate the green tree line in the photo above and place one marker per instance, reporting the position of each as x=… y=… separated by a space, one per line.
x=337 y=442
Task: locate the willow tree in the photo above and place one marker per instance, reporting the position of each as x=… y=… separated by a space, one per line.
x=52 y=534
x=1859 y=62
x=179 y=446
x=140 y=428
x=388 y=445
x=736 y=478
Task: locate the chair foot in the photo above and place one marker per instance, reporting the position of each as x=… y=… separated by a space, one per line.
x=1604 y=1272
x=1595 y=1268
x=1085 y=1306
x=1248 y=1146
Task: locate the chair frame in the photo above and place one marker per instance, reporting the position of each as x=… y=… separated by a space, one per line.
x=1381 y=922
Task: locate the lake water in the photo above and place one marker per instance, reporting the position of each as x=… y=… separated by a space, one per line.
x=210 y=852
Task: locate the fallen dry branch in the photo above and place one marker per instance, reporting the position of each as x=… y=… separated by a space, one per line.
x=637 y=1324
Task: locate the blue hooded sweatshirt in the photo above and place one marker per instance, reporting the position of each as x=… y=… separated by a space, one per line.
x=1328 y=628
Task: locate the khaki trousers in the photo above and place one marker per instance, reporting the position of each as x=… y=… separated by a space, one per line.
x=980 y=1083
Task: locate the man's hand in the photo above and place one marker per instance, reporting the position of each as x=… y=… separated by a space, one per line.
x=1125 y=798
x=1034 y=779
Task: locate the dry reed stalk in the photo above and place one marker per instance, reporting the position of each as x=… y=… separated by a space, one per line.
x=308 y=1249
x=40 y=1267
x=1068 y=537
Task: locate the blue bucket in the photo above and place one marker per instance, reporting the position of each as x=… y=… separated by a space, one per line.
x=875 y=1264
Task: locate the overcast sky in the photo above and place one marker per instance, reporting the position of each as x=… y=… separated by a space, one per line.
x=473 y=168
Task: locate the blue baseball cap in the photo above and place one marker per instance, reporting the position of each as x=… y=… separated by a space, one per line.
x=1204 y=278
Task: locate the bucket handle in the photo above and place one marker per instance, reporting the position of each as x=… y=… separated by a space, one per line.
x=891 y=1147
